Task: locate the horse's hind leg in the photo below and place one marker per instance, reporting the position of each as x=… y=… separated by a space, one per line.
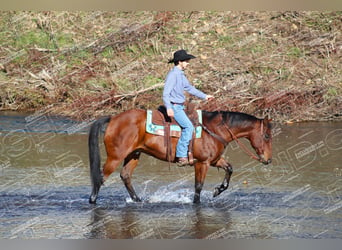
x=108 y=168
x=225 y=183
x=130 y=163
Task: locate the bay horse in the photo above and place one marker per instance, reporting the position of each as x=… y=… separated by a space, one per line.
x=125 y=139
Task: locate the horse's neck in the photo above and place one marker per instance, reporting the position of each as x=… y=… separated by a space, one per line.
x=238 y=133
x=228 y=132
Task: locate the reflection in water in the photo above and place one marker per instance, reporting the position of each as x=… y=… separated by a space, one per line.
x=44 y=188
x=211 y=223
x=159 y=221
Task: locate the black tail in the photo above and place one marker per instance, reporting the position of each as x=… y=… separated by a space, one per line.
x=94 y=157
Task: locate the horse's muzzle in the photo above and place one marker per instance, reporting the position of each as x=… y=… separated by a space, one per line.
x=264 y=161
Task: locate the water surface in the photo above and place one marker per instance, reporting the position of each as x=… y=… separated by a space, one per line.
x=45 y=185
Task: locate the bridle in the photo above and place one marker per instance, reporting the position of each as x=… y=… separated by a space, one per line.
x=247 y=151
x=225 y=142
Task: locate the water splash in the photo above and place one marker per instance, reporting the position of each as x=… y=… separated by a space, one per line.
x=183 y=196
x=178 y=196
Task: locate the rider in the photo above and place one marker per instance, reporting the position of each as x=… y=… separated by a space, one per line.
x=173 y=97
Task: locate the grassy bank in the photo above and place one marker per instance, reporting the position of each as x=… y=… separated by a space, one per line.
x=88 y=64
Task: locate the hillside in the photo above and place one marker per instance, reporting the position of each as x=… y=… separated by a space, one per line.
x=87 y=64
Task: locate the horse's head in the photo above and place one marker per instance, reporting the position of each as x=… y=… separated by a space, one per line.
x=261 y=140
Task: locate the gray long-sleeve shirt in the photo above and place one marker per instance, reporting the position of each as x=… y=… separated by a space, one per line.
x=175 y=85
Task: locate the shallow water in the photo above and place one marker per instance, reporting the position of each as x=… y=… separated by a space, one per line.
x=45 y=185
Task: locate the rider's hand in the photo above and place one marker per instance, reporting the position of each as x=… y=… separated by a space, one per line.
x=170 y=112
x=209 y=97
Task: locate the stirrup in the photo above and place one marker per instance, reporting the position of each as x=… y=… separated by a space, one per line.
x=183 y=162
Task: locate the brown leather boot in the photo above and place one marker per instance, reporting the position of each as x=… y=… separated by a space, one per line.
x=183 y=161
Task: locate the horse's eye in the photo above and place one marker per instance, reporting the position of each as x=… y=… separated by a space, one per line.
x=267 y=136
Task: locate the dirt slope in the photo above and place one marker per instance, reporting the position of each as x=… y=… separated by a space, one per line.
x=88 y=64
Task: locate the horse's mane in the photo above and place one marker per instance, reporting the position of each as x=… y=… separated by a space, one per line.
x=232 y=119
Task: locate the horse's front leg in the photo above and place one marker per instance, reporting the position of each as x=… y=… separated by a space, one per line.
x=201 y=169
x=225 y=183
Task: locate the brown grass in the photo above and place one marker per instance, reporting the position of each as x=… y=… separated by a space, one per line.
x=88 y=64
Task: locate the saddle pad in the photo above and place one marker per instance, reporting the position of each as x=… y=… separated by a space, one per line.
x=174 y=129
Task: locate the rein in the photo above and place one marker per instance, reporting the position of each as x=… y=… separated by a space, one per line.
x=247 y=151
x=225 y=142
x=222 y=140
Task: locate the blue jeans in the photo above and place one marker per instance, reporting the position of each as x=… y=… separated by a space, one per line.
x=187 y=130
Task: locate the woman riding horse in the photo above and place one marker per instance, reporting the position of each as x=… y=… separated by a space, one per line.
x=173 y=96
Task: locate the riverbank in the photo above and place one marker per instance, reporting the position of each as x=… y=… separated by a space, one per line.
x=87 y=64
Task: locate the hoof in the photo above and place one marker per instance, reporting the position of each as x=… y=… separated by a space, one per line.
x=136 y=199
x=197 y=200
x=216 y=192
x=92 y=200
